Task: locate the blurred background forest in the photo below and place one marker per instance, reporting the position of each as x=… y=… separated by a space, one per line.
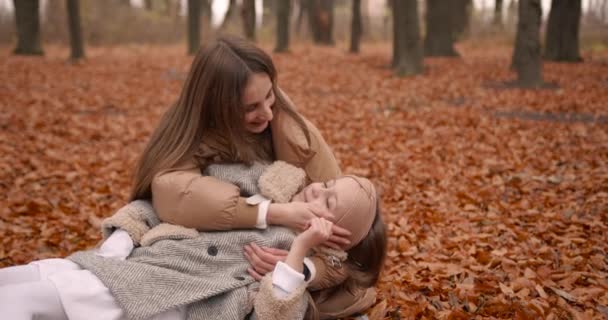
x=483 y=122
x=116 y=22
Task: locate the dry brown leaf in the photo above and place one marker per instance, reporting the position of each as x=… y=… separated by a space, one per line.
x=487 y=193
x=378 y=311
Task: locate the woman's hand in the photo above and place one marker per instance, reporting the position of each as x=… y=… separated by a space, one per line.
x=263 y=259
x=297 y=216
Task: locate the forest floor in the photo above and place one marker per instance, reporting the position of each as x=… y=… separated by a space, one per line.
x=496 y=200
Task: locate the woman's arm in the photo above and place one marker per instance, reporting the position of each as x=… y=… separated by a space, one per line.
x=187 y=198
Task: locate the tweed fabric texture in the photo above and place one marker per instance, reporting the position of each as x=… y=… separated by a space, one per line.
x=244 y=176
x=136 y=218
x=206 y=273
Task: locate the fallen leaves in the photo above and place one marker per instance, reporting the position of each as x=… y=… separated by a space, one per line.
x=496 y=201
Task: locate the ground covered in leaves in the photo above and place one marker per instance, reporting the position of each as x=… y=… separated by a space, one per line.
x=496 y=200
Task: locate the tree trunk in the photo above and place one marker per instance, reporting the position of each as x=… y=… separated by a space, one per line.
x=283 y=13
x=440 y=34
x=562 y=38
x=248 y=15
x=229 y=14
x=76 y=43
x=27 y=21
x=396 y=33
x=356 y=27
x=408 y=47
x=194 y=25
x=462 y=15
x=526 y=56
x=321 y=19
x=302 y=9
x=498 y=13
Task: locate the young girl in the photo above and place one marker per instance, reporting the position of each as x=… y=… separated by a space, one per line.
x=168 y=279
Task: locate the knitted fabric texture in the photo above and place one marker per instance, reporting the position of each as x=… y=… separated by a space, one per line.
x=136 y=218
x=167 y=231
x=281 y=181
x=207 y=273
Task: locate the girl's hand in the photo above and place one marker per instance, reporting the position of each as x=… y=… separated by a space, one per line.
x=319 y=231
x=296 y=215
x=263 y=259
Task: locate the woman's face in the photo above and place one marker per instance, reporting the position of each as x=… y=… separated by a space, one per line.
x=335 y=195
x=258 y=99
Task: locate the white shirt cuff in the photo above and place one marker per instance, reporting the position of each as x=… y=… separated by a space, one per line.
x=263 y=204
x=117 y=245
x=311 y=267
x=285 y=279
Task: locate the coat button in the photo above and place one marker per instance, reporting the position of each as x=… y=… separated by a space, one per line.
x=212 y=250
x=240 y=278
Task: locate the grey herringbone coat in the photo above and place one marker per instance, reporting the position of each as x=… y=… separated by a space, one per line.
x=207 y=273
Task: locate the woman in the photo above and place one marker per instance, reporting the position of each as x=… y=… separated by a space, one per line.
x=231 y=110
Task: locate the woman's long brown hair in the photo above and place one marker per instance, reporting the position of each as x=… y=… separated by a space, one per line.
x=210 y=103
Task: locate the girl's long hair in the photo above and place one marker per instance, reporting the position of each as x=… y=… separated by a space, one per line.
x=210 y=105
x=366 y=259
x=364 y=263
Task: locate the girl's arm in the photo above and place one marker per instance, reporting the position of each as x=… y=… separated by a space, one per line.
x=283 y=294
x=326 y=267
x=319 y=232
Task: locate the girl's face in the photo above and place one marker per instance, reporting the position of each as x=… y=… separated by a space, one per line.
x=258 y=100
x=335 y=195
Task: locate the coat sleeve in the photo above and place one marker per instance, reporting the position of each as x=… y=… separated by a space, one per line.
x=330 y=271
x=290 y=145
x=268 y=306
x=187 y=198
x=323 y=166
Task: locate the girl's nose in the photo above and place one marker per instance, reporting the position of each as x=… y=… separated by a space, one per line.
x=317 y=189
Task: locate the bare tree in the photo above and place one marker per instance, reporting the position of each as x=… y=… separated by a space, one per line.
x=562 y=38
x=526 y=55
x=302 y=10
x=407 y=51
x=194 y=25
x=440 y=33
x=461 y=17
x=28 y=27
x=283 y=13
x=498 y=13
x=248 y=15
x=356 y=27
x=229 y=14
x=76 y=43
x=321 y=20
